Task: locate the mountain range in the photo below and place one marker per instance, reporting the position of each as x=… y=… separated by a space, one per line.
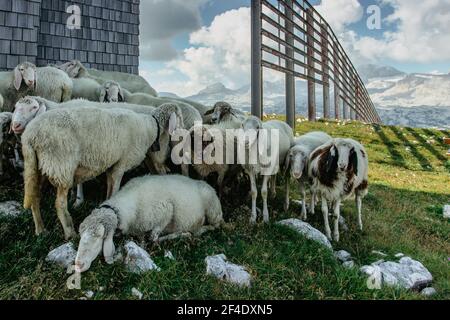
x=414 y=100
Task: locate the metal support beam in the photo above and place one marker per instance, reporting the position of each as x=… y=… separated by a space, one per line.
x=256 y=59
x=345 y=110
x=290 y=78
x=311 y=72
x=337 y=97
x=325 y=68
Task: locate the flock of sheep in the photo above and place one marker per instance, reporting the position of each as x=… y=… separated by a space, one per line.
x=71 y=124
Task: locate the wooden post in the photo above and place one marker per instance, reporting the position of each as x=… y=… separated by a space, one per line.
x=311 y=72
x=256 y=62
x=290 y=79
x=325 y=70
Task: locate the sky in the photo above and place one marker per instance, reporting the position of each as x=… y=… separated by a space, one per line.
x=187 y=45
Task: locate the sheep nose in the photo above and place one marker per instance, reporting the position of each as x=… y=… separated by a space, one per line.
x=17 y=127
x=30 y=83
x=79 y=266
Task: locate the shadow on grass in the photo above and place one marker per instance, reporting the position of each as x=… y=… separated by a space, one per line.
x=397 y=158
x=438 y=154
x=438 y=138
x=424 y=163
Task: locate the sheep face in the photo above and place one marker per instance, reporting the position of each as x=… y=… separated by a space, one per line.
x=25 y=72
x=344 y=150
x=73 y=68
x=90 y=246
x=296 y=162
x=26 y=109
x=111 y=92
x=220 y=110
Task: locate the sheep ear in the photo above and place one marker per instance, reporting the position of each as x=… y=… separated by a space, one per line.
x=173 y=121
x=17 y=78
x=42 y=108
x=332 y=160
x=209 y=112
x=353 y=159
x=102 y=95
x=109 y=248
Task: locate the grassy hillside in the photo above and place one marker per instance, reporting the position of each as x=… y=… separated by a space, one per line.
x=409 y=184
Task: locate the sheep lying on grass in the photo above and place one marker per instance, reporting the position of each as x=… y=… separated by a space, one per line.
x=339 y=169
x=263 y=165
x=70 y=146
x=133 y=83
x=26 y=79
x=162 y=205
x=296 y=164
x=89 y=89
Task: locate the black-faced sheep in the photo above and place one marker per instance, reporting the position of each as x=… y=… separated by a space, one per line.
x=158 y=204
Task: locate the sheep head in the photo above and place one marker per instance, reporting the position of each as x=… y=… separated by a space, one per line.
x=296 y=160
x=25 y=72
x=74 y=69
x=220 y=111
x=111 y=92
x=26 y=109
x=347 y=159
x=96 y=233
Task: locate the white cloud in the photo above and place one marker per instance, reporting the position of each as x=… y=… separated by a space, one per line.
x=340 y=13
x=418 y=33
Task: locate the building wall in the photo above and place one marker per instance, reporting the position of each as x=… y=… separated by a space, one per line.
x=35 y=30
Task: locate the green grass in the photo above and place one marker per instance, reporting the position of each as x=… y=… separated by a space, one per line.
x=409 y=184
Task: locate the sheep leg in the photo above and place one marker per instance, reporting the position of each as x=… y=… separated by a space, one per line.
x=337 y=208
x=325 y=218
x=116 y=180
x=312 y=209
x=254 y=192
x=358 y=206
x=203 y=230
x=303 y=191
x=174 y=236
x=37 y=217
x=273 y=186
x=80 y=196
x=286 y=194
x=264 y=196
x=63 y=213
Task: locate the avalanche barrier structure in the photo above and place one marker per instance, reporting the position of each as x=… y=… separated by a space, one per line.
x=290 y=36
x=102 y=34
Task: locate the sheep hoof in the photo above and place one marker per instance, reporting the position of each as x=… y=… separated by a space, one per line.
x=40 y=232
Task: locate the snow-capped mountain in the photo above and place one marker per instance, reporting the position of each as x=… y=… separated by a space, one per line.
x=416 y=100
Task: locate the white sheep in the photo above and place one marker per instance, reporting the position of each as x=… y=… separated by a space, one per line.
x=296 y=165
x=59 y=145
x=26 y=79
x=131 y=82
x=89 y=89
x=226 y=115
x=339 y=169
x=270 y=155
x=162 y=205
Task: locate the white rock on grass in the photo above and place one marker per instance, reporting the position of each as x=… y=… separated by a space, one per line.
x=168 y=254
x=342 y=255
x=447 y=211
x=219 y=267
x=349 y=264
x=399 y=255
x=137 y=259
x=307 y=231
x=63 y=255
x=407 y=273
x=135 y=292
x=10 y=208
x=428 y=292
x=379 y=253
x=89 y=294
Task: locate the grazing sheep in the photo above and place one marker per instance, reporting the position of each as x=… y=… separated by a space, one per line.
x=59 y=145
x=339 y=169
x=225 y=114
x=254 y=130
x=296 y=165
x=26 y=79
x=158 y=204
x=131 y=82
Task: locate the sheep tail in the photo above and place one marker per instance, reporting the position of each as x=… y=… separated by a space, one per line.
x=31 y=175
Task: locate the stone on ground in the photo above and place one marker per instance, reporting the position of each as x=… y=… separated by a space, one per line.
x=137 y=259
x=349 y=264
x=428 y=292
x=63 y=255
x=168 y=254
x=407 y=273
x=219 y=267
x=10 y=208
x=447 y=211
x=342 y=255
x=307 y=231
